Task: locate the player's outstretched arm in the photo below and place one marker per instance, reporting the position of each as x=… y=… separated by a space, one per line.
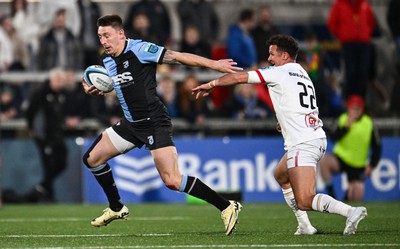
x=223 y=66
x=226 y=80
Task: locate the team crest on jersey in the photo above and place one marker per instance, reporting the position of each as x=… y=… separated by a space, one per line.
x=126 y=64
x=151 y=48
x=151 y=139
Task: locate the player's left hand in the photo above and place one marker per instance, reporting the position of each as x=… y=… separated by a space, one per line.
x=226 y=66
x=203 y=90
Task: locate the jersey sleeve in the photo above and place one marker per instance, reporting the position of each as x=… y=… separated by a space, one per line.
x=268 y=75
x=148 y=52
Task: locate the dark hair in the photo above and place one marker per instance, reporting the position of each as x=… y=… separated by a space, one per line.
x=3 y=18
x=61 y=11
x=110 y=20
x=285 y=43
x=246 y=14
x=13 y=7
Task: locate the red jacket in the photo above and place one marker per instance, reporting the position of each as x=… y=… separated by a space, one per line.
x=351 y=20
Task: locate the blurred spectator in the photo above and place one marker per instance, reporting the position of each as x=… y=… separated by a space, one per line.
x=47 y=9
x=189 y=108
x=77 y=105
x=375 y=87
x=158 y=14
x=13 y=52
x=9 y=109
x=393 y=19
x=352 y=22
x=89 y=13
x=262 y=32
x=26 y=27
x=246 y=104
x=240 y=44
x=59 y=47
x=318 y=66
x=240 y=48
x=8 y=105
x=46 y=119
x=192 y=43
x=201 y=14
x=140 y=29
x=355 y=136
x=168 y=94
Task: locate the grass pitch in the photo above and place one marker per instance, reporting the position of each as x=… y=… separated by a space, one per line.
x=190 y=226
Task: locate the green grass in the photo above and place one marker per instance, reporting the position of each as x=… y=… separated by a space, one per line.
x=190 y=226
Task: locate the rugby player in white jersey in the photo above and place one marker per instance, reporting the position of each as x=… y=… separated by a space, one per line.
x=293 y=96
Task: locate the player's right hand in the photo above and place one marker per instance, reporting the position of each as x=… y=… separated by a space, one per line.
x=91 y=90
x=203 y=90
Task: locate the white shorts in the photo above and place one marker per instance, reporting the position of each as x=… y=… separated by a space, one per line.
x=119 y=143
x=307 y=153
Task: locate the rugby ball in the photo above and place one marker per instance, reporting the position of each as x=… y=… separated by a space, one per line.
x=97 y=76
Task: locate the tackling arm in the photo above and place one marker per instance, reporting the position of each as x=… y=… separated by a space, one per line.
x=226 y=80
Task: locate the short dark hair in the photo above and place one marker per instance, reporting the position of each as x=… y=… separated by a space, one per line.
x=285 y=43
x=110 y=20
x=61 y=12
x=246 y=14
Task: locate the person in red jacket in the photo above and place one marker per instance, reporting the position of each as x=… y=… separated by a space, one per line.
x=352 y=23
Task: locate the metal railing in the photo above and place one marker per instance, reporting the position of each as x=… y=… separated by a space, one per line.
x=213 y=126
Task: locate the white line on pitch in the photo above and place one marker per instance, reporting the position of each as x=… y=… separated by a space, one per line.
x=83 y=235
x=83 y=219
x=231 y=246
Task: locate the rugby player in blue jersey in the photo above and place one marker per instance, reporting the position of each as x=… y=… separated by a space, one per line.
x=132 y=65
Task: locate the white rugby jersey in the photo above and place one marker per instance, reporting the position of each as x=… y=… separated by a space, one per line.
x=293 y=95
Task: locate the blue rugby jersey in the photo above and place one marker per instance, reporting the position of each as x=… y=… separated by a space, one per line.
x=134 y=78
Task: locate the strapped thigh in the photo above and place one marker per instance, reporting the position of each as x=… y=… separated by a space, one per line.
x=121 y=144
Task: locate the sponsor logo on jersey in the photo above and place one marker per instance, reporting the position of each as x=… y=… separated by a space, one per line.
x=300 y=75
x=151 y=48
x=126 y=64
x=123 y=78
x=312 y=120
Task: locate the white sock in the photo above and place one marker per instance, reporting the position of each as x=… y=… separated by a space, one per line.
x=301 y=216
x=326 y=204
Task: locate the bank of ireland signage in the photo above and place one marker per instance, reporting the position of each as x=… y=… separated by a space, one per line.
x=224 y=164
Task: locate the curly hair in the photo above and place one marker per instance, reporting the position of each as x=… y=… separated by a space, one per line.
x=285 y=43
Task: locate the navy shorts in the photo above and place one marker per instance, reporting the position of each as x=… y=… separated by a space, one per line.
x=153 y=135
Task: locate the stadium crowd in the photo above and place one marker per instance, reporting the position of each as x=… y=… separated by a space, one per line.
x=55 y=34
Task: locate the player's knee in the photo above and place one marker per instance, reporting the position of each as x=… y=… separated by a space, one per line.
x=280 y=178
x=85 y=159
x=87 y=153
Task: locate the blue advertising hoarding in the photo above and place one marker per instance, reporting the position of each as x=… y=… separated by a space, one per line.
x=231 y=164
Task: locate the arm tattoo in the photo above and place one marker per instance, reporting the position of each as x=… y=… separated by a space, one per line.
x=169 y=58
